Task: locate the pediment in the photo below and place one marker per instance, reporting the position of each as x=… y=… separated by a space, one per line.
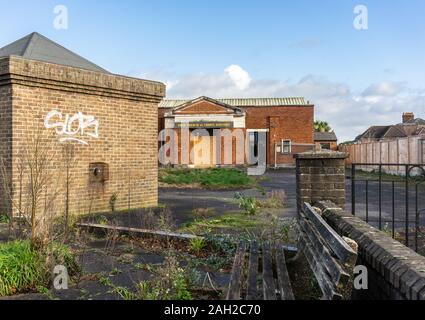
x=204 y=105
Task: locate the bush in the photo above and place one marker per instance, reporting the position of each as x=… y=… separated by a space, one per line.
x=21 y=268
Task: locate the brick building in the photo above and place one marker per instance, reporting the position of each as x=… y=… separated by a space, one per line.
x=286 y=122
x=326 y=141
x=96 y=131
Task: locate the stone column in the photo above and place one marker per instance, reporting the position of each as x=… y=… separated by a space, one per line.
x=320 y=176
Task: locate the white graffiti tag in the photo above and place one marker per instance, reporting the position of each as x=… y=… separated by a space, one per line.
x=71 y=126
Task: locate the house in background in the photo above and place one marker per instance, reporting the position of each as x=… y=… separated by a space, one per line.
x=409 y=127
x=287 y=123
x=326 y=141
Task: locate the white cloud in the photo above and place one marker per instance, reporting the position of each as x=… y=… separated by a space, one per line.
x=239 y=76
x=349 y=113
x=384 y=89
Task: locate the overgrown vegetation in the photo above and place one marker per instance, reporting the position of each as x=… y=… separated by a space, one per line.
x=250 y=205
x=24 y=268
x=171 y=282
x=216 y=178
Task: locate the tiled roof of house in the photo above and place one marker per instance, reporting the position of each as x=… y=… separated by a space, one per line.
x=245 y=102
x=401 y=130
x=325 y=136
x=37 y=47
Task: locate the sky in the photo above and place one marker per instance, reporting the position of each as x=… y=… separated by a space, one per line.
x=251 y=48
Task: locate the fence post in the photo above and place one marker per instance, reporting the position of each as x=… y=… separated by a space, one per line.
x=320 y=176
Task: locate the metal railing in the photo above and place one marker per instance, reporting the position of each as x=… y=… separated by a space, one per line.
x=382 y=198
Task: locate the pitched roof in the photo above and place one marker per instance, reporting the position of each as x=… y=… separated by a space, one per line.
x=402 y=130
x=37 y=47
x=325 y=136
x=214 y=101
x=244 y=102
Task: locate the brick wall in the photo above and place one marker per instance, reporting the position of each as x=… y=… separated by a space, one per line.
x=293 y=123
x=320 y=175
x=126 y=109
x=395 y=272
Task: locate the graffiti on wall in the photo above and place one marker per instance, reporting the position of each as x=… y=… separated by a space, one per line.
x=72 y=127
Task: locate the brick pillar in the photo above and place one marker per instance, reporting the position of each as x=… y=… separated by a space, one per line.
x=320 y=176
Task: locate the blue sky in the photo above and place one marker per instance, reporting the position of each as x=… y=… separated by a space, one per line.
x=276 y=48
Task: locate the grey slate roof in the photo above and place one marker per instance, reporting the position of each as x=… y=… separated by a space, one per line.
x=325 y=136
x=401 y=130
x=245 y=102
x=37 y=47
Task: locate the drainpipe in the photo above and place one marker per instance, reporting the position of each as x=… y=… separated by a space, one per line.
x=275 y=155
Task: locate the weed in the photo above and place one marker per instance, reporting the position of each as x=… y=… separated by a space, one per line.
x=115 y=271
x=275 y=199
x=105 y=281
x=202 y=213
x=124 y=293
x=112 y=200
x=171 y=283
x=145 y=266
x=197 y=244
x=21 y=268
x=4 y=218
x=250 y=205
x=102 y=220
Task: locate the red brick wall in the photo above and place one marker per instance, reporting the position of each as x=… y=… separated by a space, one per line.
x=293 y=123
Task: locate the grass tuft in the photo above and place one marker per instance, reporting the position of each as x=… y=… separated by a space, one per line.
x=21 y=268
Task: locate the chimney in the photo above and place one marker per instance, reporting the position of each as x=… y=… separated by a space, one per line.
x=408 y=116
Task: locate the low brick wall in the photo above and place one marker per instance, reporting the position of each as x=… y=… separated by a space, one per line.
x=395 y=271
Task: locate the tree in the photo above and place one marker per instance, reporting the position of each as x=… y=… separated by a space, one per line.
x=321 y=126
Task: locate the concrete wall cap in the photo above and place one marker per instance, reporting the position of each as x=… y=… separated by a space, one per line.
x=322 y=154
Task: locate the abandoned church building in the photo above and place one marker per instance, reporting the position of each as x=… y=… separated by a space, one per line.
x=86 y=138
x=286 y=124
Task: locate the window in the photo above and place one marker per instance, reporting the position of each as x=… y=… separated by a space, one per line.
x=325 y=145
x=286 y=147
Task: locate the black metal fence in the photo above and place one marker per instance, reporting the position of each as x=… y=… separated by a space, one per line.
x=391 y=197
